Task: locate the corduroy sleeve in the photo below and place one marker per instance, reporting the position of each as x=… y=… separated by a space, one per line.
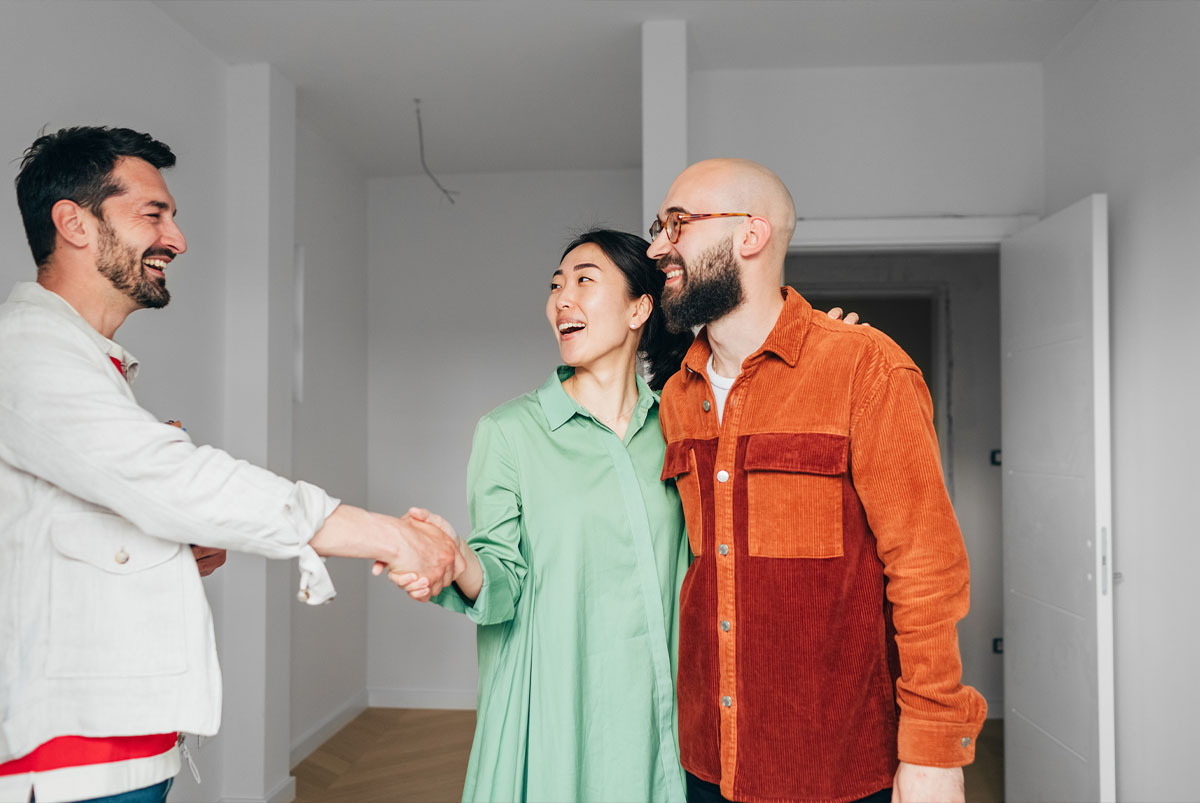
x=897 y=473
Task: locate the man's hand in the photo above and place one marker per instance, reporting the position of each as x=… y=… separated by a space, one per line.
x=402 y=544
x=851 y=319
x=414 y=584
x=918 y=784
x=208 y=560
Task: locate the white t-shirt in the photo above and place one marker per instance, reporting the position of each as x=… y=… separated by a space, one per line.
x=720 y=387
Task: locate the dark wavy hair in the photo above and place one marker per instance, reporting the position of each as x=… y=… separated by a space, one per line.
x=76 y=164
x=661 y=349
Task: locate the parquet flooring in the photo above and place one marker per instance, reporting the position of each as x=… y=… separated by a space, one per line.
x=390 y=755
x=397 y=755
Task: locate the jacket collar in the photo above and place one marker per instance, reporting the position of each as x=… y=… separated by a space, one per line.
x=559 y=408
x=33 y=293
x=784 y=341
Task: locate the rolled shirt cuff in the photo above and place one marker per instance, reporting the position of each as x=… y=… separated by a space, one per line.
x=316 y=586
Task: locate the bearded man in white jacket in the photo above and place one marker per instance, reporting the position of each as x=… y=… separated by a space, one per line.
x=106 y=638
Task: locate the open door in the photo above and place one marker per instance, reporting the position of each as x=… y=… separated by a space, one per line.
x=1057 y=503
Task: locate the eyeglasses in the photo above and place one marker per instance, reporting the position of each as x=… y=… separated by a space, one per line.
x=675 y=221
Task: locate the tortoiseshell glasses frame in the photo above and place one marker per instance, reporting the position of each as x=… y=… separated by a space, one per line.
x=675 y=221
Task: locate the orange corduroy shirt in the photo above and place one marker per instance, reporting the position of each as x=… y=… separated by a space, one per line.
x=817 y=639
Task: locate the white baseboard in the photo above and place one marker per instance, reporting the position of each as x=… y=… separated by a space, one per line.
x=449 y=699
x=317 y=735
x=284 y=792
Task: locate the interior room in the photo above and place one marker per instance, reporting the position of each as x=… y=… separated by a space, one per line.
x=375 y=195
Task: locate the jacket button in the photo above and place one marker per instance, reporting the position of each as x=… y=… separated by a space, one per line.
x=706 y=406
x=966 y=742
x=723 y=549
x=727 y=701
x=121 y=557
x=725 y=625
x=722 y=476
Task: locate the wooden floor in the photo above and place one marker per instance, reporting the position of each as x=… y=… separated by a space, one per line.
x=392 y=755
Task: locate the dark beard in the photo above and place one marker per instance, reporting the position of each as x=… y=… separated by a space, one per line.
x=712 y=288
x=122 y=266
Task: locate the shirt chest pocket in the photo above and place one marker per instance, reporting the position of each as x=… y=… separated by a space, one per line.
x=680 y=465
x=794 y=484
x=116 y=600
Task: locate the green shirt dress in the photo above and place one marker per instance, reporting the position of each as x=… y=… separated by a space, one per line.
x=583 y=551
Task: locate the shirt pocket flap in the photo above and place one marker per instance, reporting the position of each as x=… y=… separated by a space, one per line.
x=799 y=452
x=109 y=542
x=676 y=461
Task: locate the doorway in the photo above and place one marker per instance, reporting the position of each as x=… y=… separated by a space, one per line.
x=943 y=308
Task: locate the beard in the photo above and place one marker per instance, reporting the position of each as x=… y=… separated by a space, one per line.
x=121 y=265
x=711 y=289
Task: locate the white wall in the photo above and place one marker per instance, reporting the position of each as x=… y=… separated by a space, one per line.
x=329 y=642
x=871 y=142
x=1122 y=118
x=456 y=327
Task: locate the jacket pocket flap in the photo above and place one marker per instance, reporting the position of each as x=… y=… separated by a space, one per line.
x=676 y=461
x=801 y=452
x=108 y=542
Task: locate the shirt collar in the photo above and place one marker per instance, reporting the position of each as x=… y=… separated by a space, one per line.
x=784 y=341
x=33 y=293
x=559 y=408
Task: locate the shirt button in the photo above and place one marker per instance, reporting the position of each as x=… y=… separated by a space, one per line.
x=725 y=626
x=121 y=557
x=722 y=476
x=727 y=701
x=966 y=742
x=723 y=549
x=706 y=406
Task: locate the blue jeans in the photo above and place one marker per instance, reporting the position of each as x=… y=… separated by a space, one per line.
x=147 y=794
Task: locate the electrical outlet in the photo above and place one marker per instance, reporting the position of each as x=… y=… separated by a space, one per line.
x=998 y=646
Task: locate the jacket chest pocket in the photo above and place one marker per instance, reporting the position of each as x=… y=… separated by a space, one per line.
x=680 y=465
x=794 y=487
x=116 y=600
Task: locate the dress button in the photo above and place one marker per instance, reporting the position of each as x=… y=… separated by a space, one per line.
x=706 y=406
x=722 y=476
x=966 y=742
x=723 y=549
x=121 y=557
x=725 y=625
x=726 y=701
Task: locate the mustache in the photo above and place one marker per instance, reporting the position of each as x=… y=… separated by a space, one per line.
x=670 y=261
x=157 y=252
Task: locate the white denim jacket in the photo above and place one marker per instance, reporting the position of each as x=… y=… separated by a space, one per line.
x=104 y=626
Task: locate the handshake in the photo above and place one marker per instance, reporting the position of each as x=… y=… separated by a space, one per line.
x=419 y=549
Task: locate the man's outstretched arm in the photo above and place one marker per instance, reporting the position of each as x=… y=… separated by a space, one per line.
x=404 y=544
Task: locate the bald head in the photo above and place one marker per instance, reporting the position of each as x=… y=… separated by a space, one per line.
x=740 y=185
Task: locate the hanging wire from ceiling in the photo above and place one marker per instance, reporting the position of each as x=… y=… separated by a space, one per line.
x=421 y=143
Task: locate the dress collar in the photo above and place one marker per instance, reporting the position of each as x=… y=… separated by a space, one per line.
x=559 y=408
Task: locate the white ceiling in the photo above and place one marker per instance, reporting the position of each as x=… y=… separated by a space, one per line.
x=510 y=85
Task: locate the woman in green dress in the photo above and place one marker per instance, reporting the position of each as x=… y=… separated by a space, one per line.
x=577 y=551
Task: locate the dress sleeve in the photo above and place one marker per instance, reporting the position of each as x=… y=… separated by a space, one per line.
x=897 y=472
x=494 y=501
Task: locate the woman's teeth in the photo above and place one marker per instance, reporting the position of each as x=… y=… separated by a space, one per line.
x=566 y=327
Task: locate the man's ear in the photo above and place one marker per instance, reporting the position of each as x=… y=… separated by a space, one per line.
x=70 y=221
x=758 y=234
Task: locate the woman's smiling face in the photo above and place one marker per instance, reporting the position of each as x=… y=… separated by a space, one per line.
x=589 y=307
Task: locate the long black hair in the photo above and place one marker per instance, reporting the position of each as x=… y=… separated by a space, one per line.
x=661 y=349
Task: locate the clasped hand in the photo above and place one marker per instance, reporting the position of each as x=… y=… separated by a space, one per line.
x=425 y=574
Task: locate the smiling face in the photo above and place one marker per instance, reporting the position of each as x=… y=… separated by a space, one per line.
x=590 y=309
x=138 y=237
